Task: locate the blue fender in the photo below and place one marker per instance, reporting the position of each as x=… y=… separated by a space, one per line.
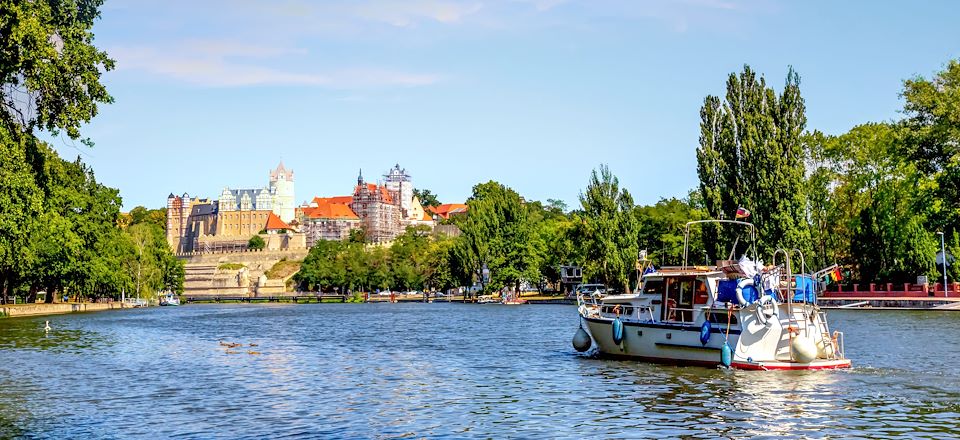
x=617 y=328
x=705 y=333
x=726 y=355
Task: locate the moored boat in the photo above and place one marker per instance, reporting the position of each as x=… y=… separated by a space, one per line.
x=511 y=298
x=739 y=314
x=169 y=299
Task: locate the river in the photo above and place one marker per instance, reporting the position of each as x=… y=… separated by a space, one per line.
x=446 y=370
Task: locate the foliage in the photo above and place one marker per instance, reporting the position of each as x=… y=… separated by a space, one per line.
x=415 y=260
x=607 y=230
x=426 y=197
x=231 y=266
x=49 y=68
x=497 y=236
x=661 y=231
x=21 y=206
x=139 y=214
x=283 y=269
x=751 y=156
x=552 y=232
x=256 y=243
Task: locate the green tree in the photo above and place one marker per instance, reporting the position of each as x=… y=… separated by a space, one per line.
x=50 y=73
x=751 y=156
x=661 y=231
x=552 y=240
x=496 y=234
x=49 y=68
x=426 y=197
x=409 y=258
x=21 y=208
x=931 y=139
x=607 y=230
x=322 y=268
x=869 y=206
x=440 y=264
x=256 y=243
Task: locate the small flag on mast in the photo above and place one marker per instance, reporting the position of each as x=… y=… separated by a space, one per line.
x=742 y=213
x=835 y=275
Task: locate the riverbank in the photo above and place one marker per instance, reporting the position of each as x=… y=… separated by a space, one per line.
x=20 y=310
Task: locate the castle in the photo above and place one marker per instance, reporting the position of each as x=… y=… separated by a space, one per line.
x=381 y=210
x=195 y=224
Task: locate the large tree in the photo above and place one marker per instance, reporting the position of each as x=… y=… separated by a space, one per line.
x=49 y=68
x=751 y=156
x=497 y=235
x=607 y=230
x=49 y=81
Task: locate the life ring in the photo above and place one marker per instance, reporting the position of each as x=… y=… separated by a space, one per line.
x=764 y=315
x=743 y=283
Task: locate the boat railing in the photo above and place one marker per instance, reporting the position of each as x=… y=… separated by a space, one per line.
x=589 y=308
x=841 y=353
x=673 y=312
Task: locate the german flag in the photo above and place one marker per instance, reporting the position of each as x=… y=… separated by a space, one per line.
x=742 y=213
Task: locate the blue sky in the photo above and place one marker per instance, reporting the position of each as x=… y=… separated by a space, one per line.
x=531 y=93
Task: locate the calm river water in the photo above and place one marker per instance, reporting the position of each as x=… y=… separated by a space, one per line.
x=446 y=370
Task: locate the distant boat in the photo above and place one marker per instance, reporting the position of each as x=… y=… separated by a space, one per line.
x=169 y=299
x=135 y=302
x=486 y=299
x=512 y=299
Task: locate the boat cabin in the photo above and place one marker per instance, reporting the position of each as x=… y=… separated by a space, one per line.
x=670 y=295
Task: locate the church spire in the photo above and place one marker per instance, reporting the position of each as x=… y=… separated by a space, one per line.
x=360 y=177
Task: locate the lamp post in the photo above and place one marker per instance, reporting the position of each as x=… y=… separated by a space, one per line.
x=943 y=253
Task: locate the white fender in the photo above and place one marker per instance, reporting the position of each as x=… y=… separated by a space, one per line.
x=765 y=316
x=743 y=283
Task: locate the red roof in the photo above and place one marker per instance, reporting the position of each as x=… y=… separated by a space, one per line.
x=274 y=223
x=345 y=200
x=448 y=209
x=328 y=210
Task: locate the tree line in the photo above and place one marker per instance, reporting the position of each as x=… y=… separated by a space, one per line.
x=505 y=240
x=61 y=231
x=871 y=199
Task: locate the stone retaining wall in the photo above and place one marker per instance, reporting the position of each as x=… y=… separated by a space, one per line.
x=14 y=311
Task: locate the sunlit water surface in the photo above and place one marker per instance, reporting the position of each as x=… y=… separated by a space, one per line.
x=446 y=370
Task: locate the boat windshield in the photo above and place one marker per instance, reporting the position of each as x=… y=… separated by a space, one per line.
x=681 y=296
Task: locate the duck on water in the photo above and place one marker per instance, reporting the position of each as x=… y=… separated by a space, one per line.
x=738 y=313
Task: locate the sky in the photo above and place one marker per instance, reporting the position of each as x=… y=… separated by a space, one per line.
x=531 y=93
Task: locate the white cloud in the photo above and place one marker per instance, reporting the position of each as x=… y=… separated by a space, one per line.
x=233 y=64
x=406 y=13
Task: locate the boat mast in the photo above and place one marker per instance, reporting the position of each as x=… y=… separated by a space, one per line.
x=686 y=236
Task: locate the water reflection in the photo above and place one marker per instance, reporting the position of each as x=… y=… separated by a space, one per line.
x=441 y=370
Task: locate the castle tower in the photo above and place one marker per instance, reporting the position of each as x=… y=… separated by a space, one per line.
x=178 y=213
x=281 y=190
x=401 y=187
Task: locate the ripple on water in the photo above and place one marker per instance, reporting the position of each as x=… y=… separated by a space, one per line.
x=444 y=370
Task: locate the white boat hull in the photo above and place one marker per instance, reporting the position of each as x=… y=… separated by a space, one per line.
x=659 y=342
x=756 y=347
